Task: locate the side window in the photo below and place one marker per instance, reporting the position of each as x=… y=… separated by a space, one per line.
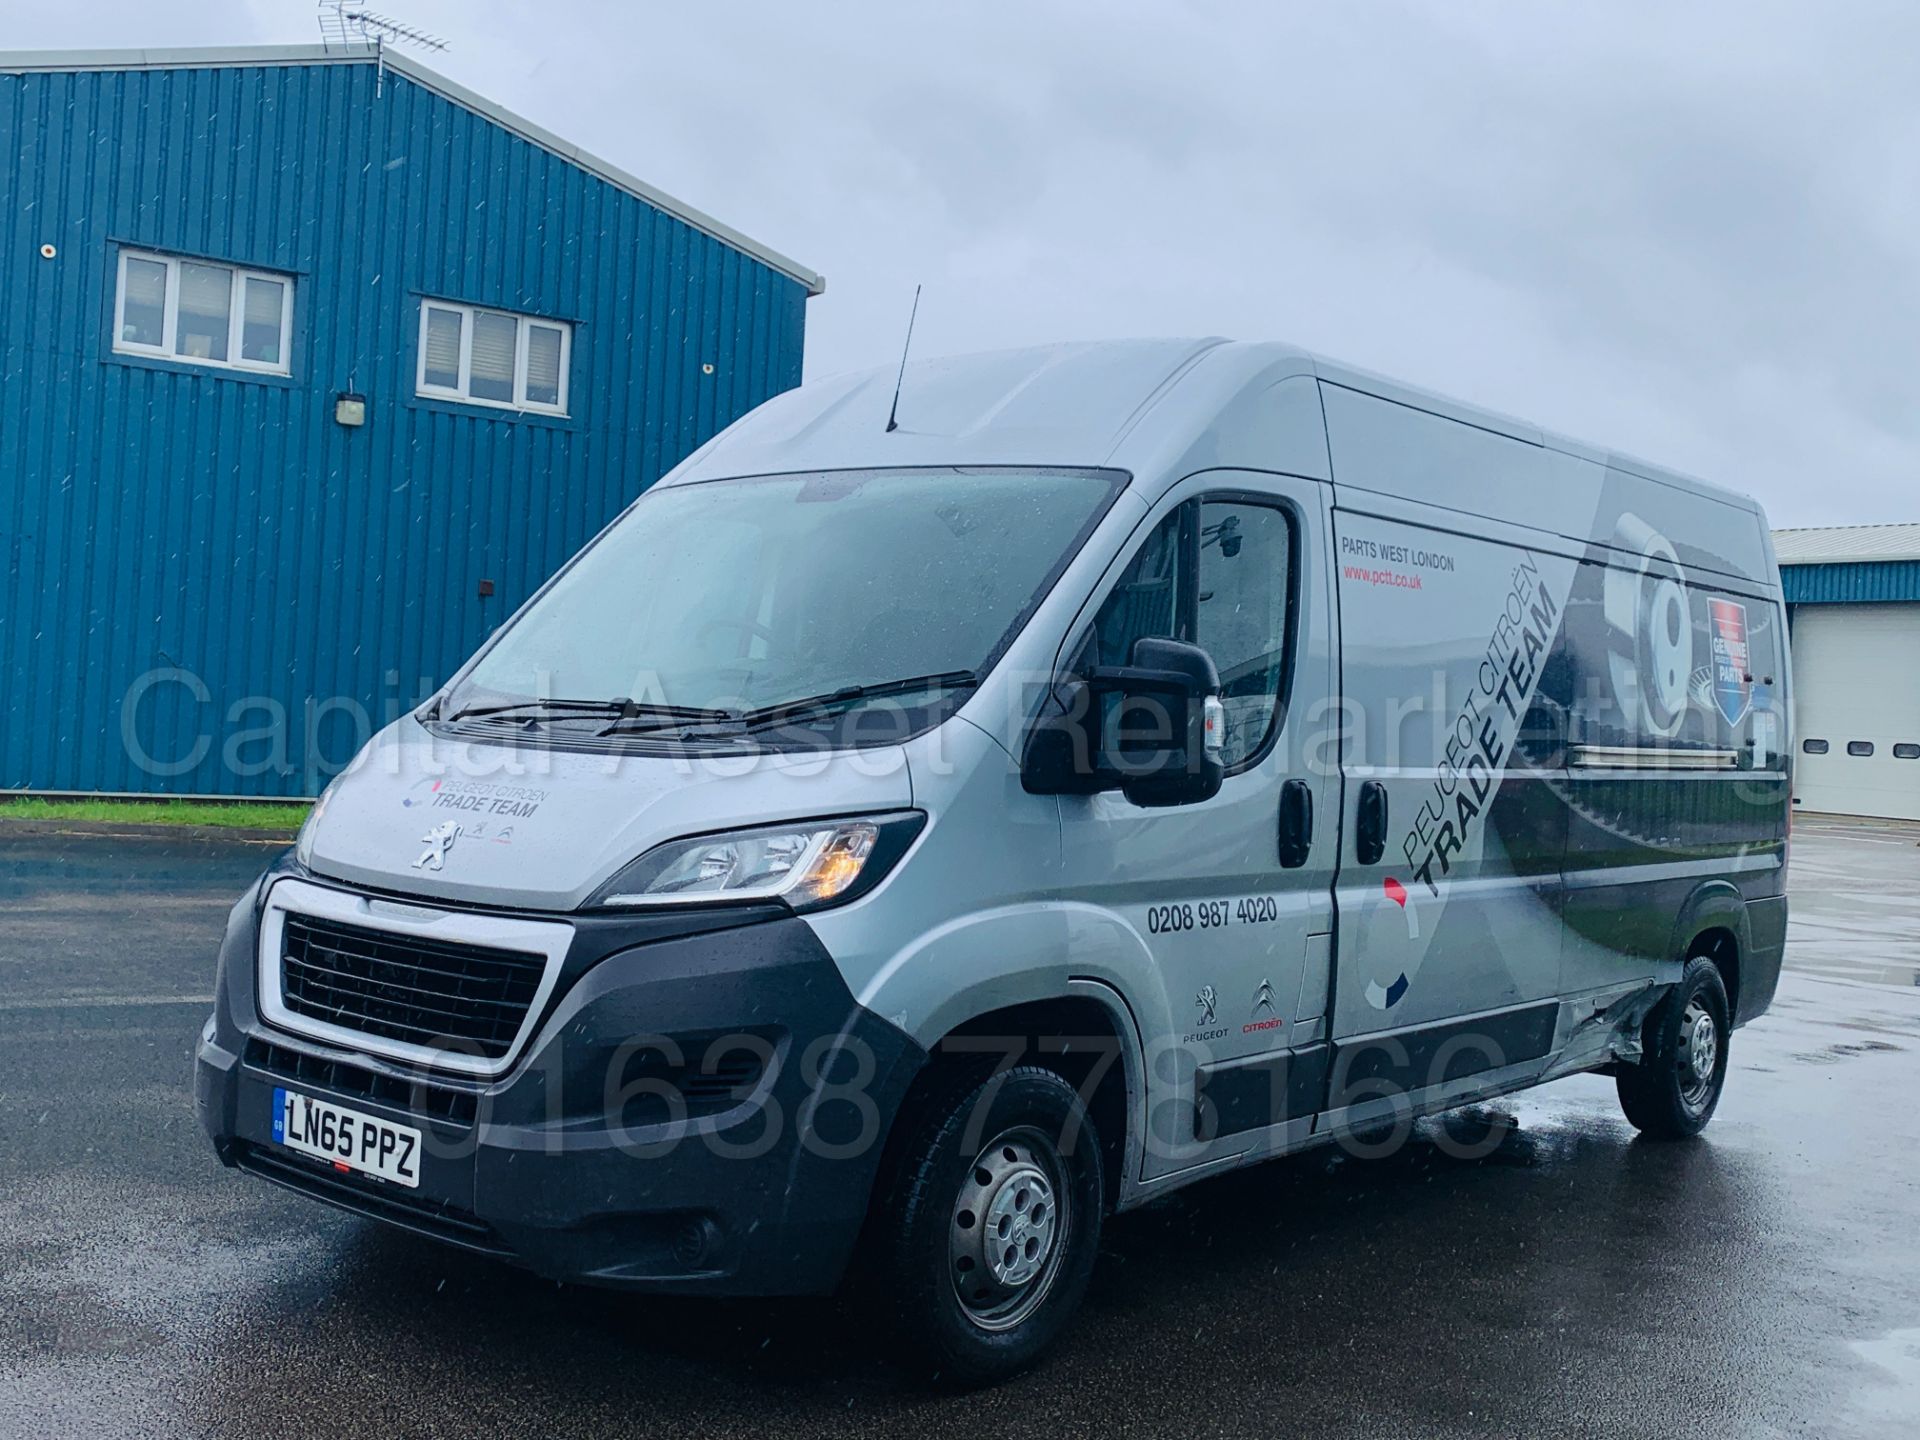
x=1146 y=599
x=1246 y=581
x=1218 y=573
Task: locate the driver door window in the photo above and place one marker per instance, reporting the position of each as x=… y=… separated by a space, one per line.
x=1217 y=573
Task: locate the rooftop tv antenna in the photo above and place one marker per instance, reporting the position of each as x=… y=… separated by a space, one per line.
x=348 y=26
x=893 y=420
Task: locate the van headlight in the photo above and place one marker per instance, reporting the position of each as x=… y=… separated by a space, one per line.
x=808 y=864
x=303 y=842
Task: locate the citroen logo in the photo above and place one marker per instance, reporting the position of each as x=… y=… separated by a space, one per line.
x=1263 y=998
x=438 y=841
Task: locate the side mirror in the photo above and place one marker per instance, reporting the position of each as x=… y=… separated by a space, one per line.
x=1152 y=729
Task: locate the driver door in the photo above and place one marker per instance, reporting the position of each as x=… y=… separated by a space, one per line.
x=1236 y=1027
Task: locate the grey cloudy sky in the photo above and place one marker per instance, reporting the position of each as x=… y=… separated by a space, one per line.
x=1688 y=231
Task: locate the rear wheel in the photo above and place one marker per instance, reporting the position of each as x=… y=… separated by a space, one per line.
x=1672 y=1093
x=988 y=1232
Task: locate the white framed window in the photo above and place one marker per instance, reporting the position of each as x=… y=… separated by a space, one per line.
x=492 y=357
x=202 y=312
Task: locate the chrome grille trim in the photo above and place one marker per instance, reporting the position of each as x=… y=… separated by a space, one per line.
x=546 y=939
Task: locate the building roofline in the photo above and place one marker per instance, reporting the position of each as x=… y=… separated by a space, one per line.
x=1896 y=543
x=1807 y=562
x=227 y=56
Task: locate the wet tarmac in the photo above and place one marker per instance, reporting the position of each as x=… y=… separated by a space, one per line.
x=1765 y=1281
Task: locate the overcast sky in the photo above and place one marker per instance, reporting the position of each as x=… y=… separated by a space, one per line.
x=1691 y=232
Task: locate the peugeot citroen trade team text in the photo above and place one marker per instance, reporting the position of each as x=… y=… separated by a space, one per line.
x=886 y=853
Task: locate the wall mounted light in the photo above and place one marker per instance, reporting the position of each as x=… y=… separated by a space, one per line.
x=350 y=409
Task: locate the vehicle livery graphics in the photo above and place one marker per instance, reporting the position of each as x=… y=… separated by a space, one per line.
x=1524 y=654
x=1649 y=630
x=1627 y=824
x=1732 y=681
x=1447 y=832
x=1481 y=738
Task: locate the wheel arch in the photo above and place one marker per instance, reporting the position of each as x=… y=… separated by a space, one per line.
x=1714 y=924
x=1087 y=1035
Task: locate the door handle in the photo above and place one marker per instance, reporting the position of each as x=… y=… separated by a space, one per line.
x=1296 y=823
x=1370 y=824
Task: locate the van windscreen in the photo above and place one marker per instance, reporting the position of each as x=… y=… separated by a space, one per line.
x=739 y=595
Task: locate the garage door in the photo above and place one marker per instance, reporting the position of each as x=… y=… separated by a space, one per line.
x=1856 y=700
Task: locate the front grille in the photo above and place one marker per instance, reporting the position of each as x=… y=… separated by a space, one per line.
x=431 y=1100
x=471 y=999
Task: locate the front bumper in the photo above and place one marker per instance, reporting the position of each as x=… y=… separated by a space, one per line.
x=701 y=1109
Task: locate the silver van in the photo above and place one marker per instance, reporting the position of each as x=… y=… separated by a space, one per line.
x=884 y=852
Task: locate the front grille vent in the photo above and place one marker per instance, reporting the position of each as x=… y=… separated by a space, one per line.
x=449 y=1104
x=469 y=999
x=707 y=1083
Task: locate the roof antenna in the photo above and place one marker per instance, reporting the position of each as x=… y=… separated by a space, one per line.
x=345 y=24
x=893 y=422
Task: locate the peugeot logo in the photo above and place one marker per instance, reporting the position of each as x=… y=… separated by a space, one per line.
x=438 y=841
x=1205 y=1002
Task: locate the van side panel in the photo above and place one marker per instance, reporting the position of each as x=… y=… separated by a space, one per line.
x=1510 y=473
x=1636 y=756
x=1395 y=449
x=1670 y=665
x=1451 y=703
x=1707 y=532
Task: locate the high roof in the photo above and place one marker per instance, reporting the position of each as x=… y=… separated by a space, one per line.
x=1847 y=544
x=1068 y=404
x=24 y=61
x=1083 y=403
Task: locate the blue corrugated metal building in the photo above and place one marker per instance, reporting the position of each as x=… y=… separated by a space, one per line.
x=1849 y=565
x=313 y=365
x=1866 y=582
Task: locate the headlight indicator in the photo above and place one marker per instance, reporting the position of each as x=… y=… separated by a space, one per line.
x=807 y=864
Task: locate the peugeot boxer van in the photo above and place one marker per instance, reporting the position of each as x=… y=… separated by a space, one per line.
x=885 y=852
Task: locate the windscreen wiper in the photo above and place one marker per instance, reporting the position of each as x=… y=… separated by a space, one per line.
x=634 y=717
x=538 y=707
x=809 y=707
x=620 y=712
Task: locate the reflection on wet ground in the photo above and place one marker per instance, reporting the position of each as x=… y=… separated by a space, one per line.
x=1526 y=1268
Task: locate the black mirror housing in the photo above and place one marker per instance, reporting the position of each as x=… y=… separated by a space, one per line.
x=1151 y=729
x=1063 y=749
x=1164 y=736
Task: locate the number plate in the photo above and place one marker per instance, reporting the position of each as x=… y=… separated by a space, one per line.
x=346 y=1139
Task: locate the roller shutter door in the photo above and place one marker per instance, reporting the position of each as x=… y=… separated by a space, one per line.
x=1856 y=679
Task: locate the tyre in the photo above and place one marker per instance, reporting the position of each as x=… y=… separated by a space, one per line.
x=1672 y=1093
x=988 y=1229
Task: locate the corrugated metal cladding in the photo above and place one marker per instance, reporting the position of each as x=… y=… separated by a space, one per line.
x=188 y=553
x=1872 y=582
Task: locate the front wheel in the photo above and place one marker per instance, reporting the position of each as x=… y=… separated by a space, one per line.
x=989 y=1229
x=1672 y=1093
